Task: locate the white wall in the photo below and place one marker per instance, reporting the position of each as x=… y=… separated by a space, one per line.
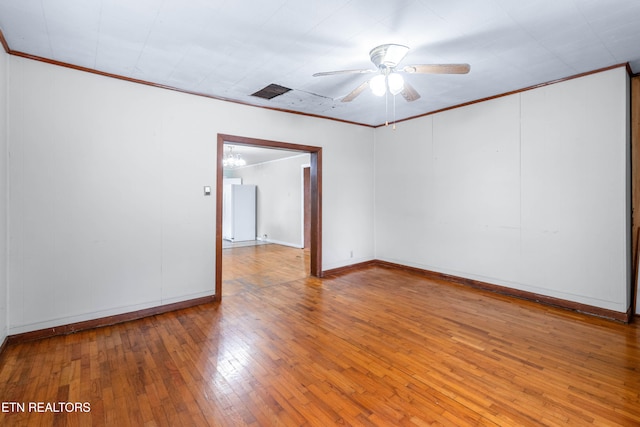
x=4 y=75
x=279 y=201
x=527 y=191
x=107 y=213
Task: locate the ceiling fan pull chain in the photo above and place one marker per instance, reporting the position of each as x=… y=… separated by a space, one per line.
x=394 y=112
x=386 y=108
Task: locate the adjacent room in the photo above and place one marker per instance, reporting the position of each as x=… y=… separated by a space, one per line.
x=344 y=212
x=266 y=200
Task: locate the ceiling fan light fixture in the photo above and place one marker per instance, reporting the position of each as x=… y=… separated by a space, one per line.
x=378 y=85
x=395 y=82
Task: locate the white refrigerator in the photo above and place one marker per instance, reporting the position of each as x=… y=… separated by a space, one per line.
x=239 y=212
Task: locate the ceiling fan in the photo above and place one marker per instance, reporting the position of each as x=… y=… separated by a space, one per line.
x=386 y=58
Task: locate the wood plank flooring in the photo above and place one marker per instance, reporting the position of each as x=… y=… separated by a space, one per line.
x=375 y=347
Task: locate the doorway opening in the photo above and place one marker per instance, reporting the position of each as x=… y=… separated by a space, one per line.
x=315 y=200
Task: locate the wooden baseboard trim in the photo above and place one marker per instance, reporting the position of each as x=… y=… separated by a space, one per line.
x=349 y=268
x=516 y=293
x=502 y=290
x=103 y=321
x=4 y=345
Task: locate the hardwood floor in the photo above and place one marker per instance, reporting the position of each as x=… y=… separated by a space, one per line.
x=372 y=347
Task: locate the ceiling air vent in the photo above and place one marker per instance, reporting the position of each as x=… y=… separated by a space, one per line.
x=271 y=91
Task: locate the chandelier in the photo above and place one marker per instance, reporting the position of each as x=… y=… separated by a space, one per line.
x=231 y=160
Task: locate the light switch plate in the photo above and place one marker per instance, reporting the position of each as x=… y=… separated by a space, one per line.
x=207 y=190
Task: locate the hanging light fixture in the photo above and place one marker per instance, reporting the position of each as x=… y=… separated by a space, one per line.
x=378 y=85
x=231 y=160
x=385 y=83
x=393 y=82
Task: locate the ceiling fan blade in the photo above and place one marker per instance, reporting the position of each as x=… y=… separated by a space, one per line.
x=409 y=93
x=357 y=91
x=333 y=73
x=438 y=68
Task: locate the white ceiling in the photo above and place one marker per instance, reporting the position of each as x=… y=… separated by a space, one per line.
x=231 y=49
x=256 y=155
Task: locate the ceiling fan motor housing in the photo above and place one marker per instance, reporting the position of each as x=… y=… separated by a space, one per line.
x=388 y=55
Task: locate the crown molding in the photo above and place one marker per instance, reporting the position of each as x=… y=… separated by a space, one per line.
x=513 y=92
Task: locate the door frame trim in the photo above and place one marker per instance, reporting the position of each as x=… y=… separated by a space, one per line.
x=315 y=251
